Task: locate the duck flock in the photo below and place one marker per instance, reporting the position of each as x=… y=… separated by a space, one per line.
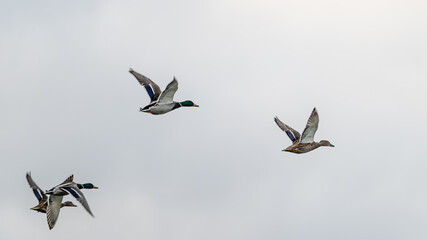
x=50 y=202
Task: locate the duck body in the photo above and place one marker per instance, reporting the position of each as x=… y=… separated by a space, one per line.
x=157 y=109
x=303 y=143
x=304 y=147
x=42 y=206
x=161 y=102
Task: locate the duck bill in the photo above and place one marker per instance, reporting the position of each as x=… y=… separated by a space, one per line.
x=331 y=145
x=195 y=105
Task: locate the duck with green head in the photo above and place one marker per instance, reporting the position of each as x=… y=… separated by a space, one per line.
x=161 y=102
x=58 y=192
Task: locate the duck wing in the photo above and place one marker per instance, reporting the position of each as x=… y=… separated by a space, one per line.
x=40 y=195
x=67 y=182
x=310 y=128
x=53 y=208
x=152 y=88
x=293 y=134
x=75 y=191
x=169 y=92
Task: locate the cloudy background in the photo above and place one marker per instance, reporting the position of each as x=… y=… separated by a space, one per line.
x=69 y=106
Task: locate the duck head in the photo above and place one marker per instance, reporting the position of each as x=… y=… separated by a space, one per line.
x=188 y=103
x=326 y=143
x=86 y=186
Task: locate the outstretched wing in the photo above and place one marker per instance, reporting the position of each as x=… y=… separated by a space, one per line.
x=53 y=208
x=169 y=92
x=66 y=182
x=293 y=134
x=40 y=195
x=79 y=196
x=69 y=179
x=153 y=89
x=310 y=128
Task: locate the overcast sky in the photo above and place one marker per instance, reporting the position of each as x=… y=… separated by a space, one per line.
x=69 y=106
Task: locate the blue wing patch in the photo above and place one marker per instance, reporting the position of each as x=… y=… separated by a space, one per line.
x=290 y=135
x=74 y=193
x=149 y=91
x=38 y=196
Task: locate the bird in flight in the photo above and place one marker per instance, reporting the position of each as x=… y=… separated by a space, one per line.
x=304 y=143
x=161 y=102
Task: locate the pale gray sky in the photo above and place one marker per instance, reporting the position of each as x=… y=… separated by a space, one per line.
x=69 y=106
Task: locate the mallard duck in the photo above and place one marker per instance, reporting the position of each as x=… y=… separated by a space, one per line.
x=161 y=102
x=58 y=192
x=305 y=143
x=42 y=197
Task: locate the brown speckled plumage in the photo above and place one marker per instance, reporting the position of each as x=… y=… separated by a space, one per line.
x=304 y=143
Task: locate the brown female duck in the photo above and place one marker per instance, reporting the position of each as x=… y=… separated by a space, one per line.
x=304 y=143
